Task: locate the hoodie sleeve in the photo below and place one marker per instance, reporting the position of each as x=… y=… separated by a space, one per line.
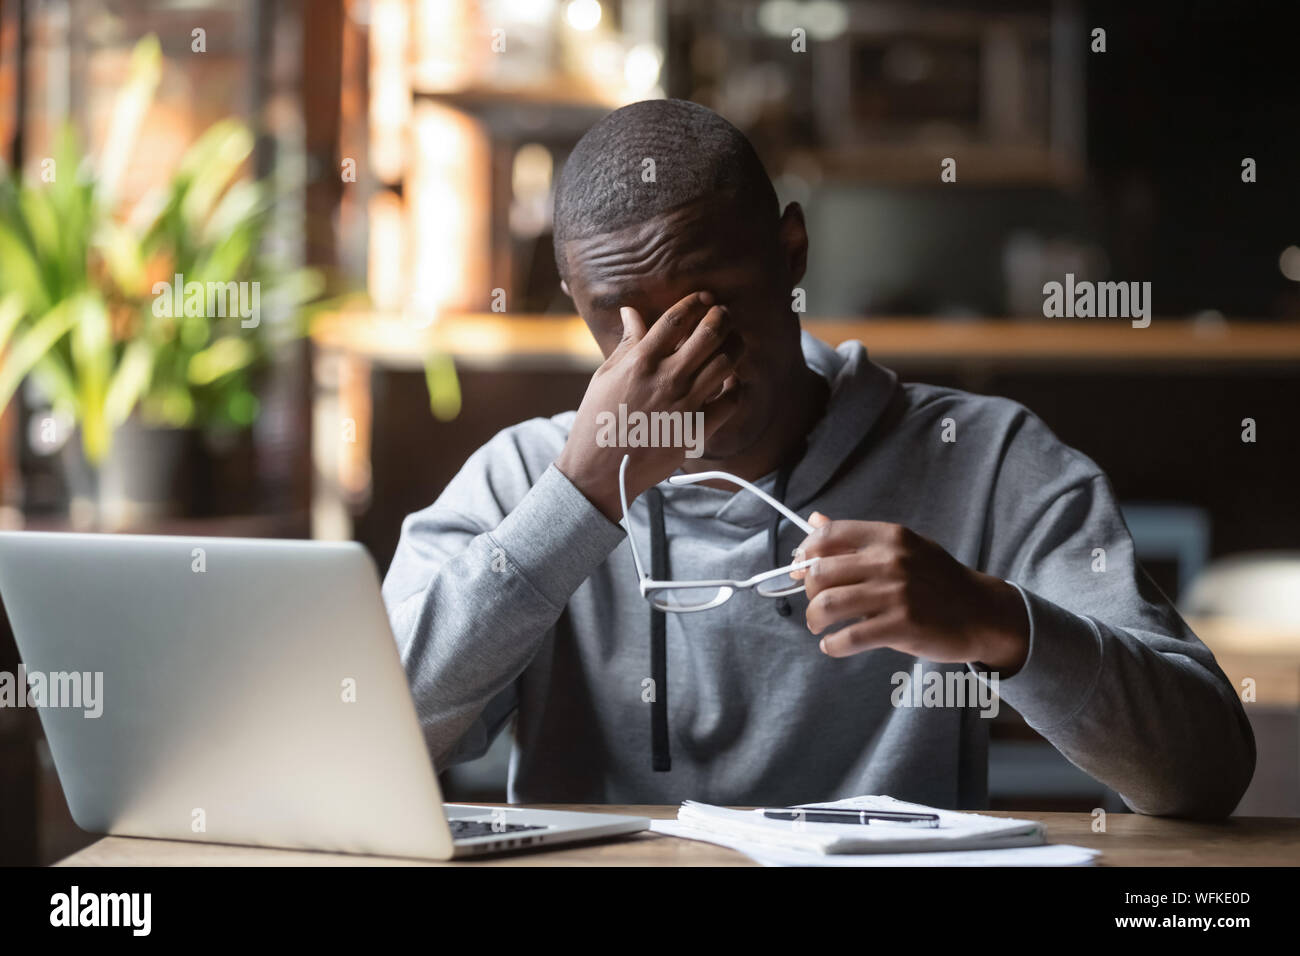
x=1114 y=679
x=478 y=581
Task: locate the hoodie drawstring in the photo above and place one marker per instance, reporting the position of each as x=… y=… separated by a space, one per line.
x=773 y=536
x=660 y=758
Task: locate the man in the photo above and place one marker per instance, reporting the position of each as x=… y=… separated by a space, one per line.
x=952 y=531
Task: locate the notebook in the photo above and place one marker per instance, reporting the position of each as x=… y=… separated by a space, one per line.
x=956 y=831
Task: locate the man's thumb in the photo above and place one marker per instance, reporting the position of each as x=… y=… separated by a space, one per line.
x=633 y=327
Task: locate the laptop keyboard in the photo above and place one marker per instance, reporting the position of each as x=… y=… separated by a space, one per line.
x=464 y=829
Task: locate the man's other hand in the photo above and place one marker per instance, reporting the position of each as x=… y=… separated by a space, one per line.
x=884 y=585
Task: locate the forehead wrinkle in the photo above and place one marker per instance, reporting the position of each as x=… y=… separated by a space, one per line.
x=680 y=235
x=660 y=245
x=666 y=260
x=632 y=261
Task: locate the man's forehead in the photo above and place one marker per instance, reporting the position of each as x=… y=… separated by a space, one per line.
x=691 y=242
x=668 y=286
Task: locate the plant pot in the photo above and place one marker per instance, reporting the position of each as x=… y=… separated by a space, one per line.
x=149 y=475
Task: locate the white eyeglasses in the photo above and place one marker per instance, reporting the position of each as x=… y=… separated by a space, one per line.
x=684 y=596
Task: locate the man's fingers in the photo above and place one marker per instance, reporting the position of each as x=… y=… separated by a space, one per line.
x=708 y=337
x=838 y=537
x=710 y=380
x=863 y=636
x=719 y=410
x=633 y=330
x=839 y=604
x=873 y=563
x=633 y=324
x=817 y=520
x=834 y=570
x=676 y=324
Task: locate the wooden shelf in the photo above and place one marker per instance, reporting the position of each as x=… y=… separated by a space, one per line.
x=473 y=339
x=493 y=340
x=1092 y=341
x=562 y=94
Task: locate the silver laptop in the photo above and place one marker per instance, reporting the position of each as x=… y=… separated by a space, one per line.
x=239 y=691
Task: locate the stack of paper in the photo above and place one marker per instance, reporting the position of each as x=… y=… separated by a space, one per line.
x=959 y=839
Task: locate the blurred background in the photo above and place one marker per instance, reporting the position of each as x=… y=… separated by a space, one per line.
x=382 y=171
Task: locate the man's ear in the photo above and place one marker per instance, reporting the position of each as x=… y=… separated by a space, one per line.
x=564 y=287
x=792 y=234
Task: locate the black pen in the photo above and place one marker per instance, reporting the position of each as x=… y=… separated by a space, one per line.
x=861 y=817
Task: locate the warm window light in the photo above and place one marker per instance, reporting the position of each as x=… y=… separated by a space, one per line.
x=390 y=93
x=583 y=14
x=641 y=68
x=530 y=181
x=442 y=59
x=355 y=409
x=386 y=268
x=531 y=173
x=535 y=12
x=449 y=198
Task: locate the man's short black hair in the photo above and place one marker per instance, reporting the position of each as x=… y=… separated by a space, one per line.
x=697 y=156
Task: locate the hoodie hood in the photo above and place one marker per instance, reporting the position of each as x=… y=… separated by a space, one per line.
x=860 y=390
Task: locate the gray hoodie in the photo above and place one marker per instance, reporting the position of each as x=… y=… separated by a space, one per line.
x=513 y=597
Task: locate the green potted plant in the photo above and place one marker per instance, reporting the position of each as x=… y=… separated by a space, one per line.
x=145 y=330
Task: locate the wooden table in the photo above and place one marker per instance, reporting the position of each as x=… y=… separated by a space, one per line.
x=1131 y=840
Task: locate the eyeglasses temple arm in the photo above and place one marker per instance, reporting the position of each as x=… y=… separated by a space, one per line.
x=627 y=522
x=724 y=476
